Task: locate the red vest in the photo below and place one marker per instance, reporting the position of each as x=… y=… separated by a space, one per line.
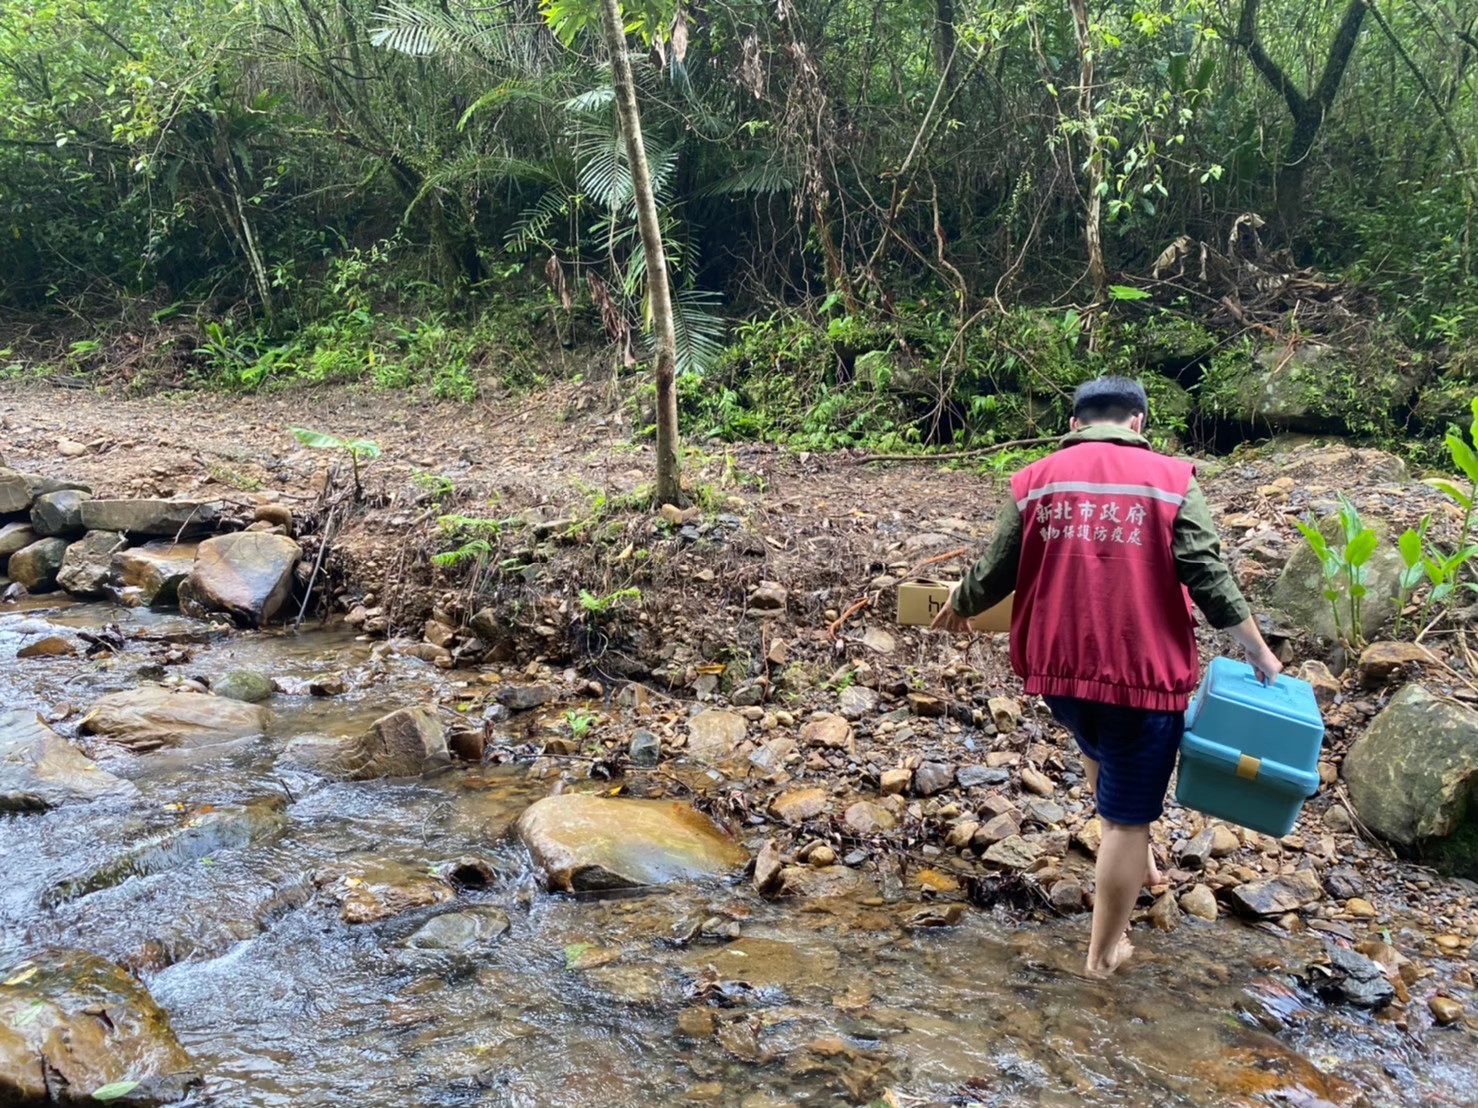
x=1099 y=611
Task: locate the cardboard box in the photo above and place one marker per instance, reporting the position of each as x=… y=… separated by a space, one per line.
x=920 y=601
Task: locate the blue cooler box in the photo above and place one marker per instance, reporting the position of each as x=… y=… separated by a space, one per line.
x=1250 y=754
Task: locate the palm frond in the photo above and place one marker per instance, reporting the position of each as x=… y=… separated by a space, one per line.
x=506 y=93
x=700 y=329
x=765 y=177
x=428 y=32
x=594 y=100
x=484 y=167
x=530 y=227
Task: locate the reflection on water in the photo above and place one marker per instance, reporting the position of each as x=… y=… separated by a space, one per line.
x=281 y=1003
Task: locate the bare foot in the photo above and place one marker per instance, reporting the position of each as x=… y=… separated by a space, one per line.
x=1152 y=875
x=1115 y=960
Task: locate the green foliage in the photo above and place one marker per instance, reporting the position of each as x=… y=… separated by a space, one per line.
x=598 y=606
x=1344 y=569
x=469 y=540
x=579 y=722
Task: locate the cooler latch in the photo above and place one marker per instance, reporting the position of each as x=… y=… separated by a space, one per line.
x=1247 y=767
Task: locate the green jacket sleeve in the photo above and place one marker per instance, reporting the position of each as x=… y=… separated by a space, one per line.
x=993 y=577
x=1199 y=565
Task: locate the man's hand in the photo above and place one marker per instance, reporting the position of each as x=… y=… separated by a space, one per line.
x=1266 y=665
x=950 y=620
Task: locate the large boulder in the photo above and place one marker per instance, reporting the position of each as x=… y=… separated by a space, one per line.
x=407 y=743
x=150 y=576
x=75 y=1028
x=87 y=569
x=15 y=536
x=248 y=576
x=1313 y=388
x=59 y=513
x=151 y=717
x=1413 y=775
x=584 y=842
x=172 y=519
x=1299 y=592
x=39 y=769
x=37 y=565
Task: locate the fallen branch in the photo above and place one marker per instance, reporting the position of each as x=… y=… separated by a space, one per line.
x=852 y=610
x=950 y=456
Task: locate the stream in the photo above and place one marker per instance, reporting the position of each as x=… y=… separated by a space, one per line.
x=834 y=1002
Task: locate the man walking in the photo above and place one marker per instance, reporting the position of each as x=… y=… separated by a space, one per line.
x=1103 y=546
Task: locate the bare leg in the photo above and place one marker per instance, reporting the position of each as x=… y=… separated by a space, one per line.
x=1118 y=877
x=1152 y=875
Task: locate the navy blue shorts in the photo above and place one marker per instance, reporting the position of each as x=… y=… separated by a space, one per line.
x=1135 y=750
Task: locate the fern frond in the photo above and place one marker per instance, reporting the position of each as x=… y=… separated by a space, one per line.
x=531 y=225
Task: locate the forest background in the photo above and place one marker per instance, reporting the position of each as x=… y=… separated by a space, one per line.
x=889 y=223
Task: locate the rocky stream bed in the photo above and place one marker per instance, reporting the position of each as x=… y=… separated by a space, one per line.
x=782 y=858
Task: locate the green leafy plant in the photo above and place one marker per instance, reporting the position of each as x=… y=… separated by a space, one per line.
x=1441 y=571
x=357 y=450
x=594 y=605
x=1344 y=567
x=579 y=722
x=1412 y=544
x=1467 y=461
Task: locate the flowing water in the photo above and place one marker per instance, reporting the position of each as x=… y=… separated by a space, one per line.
x=283 y=1004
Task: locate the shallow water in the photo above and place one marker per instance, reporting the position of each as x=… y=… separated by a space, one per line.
x=283 y=1004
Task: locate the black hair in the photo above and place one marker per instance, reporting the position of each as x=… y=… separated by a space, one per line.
x=1109 y=398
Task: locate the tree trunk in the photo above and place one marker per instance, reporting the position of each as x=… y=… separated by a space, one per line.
x=669 y=481
x=1093 y=229
x=1308 y=112
x=945 y=41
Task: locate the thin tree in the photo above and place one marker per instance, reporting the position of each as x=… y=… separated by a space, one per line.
x=1093 y=229
x=664 y=332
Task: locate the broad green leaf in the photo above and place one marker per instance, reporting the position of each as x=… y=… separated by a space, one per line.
x=1436 y=573
x=1473 y=428
x=1331 y=595
x=115 y=1090
x=1411 y=576
x=1361 y=547
x=317 y=439
x=1315 y=539
x=1441 y=592
x=364 y=448
x=1443 y=484
x=1410 y=545
x=1358 y=592
x=1463 y=455
x=573 y=952
x=1127 y=292
x=1349 y=519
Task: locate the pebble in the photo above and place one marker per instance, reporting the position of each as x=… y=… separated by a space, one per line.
x=1005 y=713
x=1360 y=908
x=696 y=1023
x=1035 y=781
x=1200 y=902
x=821 y=856
x=1224 y=841
x=1338 y=820
x=933 y=777
x=894 y=781
x=1445 y=1010
x=1164 y=913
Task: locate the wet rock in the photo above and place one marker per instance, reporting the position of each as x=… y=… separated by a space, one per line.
x=58 y=513
x=831 y=732
x=525 y=698
x=1299 y=593
x=1276 y=896
x=1194 y=855
x=1353 y=978
x=87 y=567
x=932 y=778
x=973 y=777
x=1412 y=773
x=75 y=1024
x=929 y=707
x=1200 y=902
x=151 y=717
x=645 y=749
x=1035 y=781
x=172 y=519
x=894 y=781
x=714 y=734
x=48 y=646
x=201 y=834
x=858 y=702
x=769 y=597
x=994 y=830
x=770 y=757
x=767 y=867
x=1445 y=1011
x=150 y=576
x=824 y=883
x=15 y=492
x=35 y=567
x=1325 y=685
x=39 y=769
x=766 y=963
x=15 y=536
x=867 y=818
x=1005 y=712
x=1013 y=853
x=243 y=685
x=1164 y=913
x=1066 y=895
x=696 y=1023
x=328 y=685
x=1380 y=662
x=407 y=743
x=464 y=931
x=798 y=805
x=582 y=842
x=247 y=576
x=375 y=889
